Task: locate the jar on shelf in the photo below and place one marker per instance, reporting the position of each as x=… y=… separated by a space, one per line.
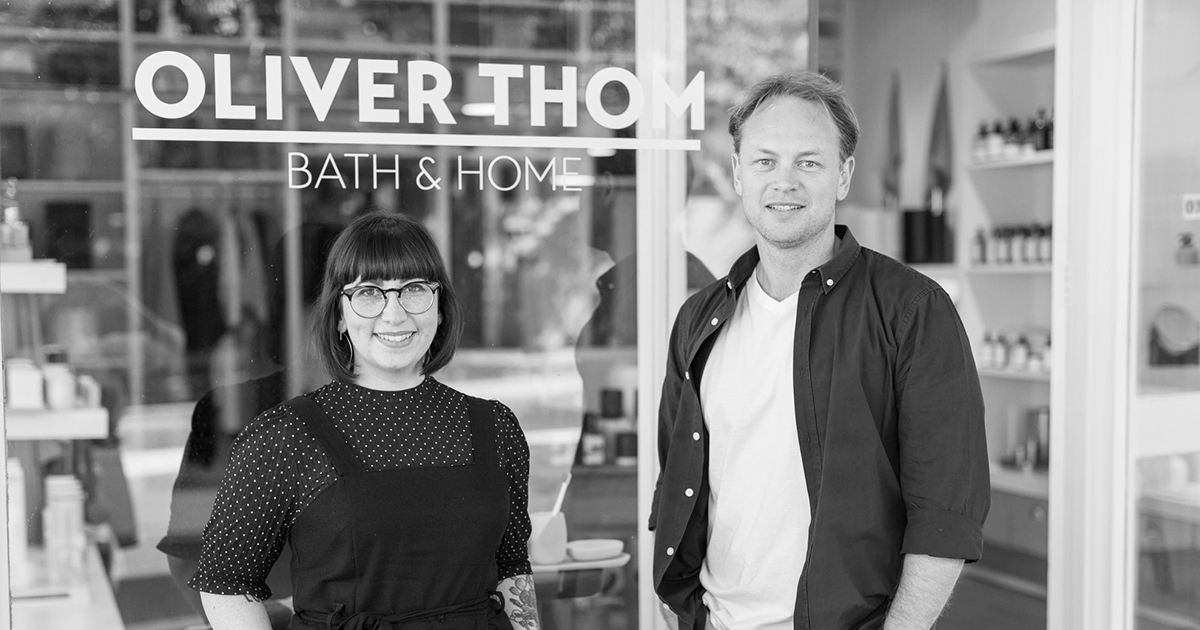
x=59 y=380
x=63 y=530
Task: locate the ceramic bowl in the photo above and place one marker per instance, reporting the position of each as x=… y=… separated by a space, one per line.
x=594 y=549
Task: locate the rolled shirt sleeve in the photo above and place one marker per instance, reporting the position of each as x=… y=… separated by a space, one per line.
x=252 y=515
x=941 y=433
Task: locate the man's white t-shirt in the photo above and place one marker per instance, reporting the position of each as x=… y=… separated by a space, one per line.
x=758 y=509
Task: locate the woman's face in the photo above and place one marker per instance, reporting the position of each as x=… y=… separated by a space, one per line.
x=389 y=349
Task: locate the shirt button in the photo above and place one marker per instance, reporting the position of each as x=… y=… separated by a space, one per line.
x=829 y=282
x=696 y=435
x=687 y=376
x=670 y=551
x=689 y=492
x=729 y=283
x=714 y=321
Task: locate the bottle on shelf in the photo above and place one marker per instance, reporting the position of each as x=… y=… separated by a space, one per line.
x=24 y=384
x=1017 y=244
x=979 y=147
x=59 y=380
x=1050 y=131
x=979 y=247
x=1041 y=130
x=1045 y=244
x=1033 y=243
x=14 y=231
x=1029 y=144
x=1018 y=356
x=63 y=530
x=1013 y=139
x=987 y=358
x=1187 y=254
x=995 y=141
x=1000 y=351
x=18 y=532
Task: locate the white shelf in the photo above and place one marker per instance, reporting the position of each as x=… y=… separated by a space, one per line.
x=212 y=176
x=38 y=276
x=72 y=186
x=1034 y=484
x=60 y=34
x=1010 y=269
x=56 y=424
x=91 y=605
x=1034 y=48
x=1037 y=158
x=1014 y=375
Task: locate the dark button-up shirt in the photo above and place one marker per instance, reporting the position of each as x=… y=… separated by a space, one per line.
x=889 y=416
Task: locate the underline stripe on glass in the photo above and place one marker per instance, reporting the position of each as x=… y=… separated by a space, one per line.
x=408 y=139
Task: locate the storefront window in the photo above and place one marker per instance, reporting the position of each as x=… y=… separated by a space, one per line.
x=180 y=168
x=1164 y=435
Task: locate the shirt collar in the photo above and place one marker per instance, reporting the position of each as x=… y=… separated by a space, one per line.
x=831 y=272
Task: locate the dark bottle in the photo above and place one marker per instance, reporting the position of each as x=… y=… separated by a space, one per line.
x=979 y=248
x=979 y=147
x=996 y=140
x=1012 y=140
x=1050 y=131
x=1029 y=144
x=1041 y=130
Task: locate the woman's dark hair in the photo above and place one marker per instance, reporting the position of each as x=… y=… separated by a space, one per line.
x=807 y=86
x=383 y=246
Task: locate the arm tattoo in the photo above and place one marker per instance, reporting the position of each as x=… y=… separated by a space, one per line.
x=523 y=609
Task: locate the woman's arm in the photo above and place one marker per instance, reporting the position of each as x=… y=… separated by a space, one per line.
x=235 y=612
x=520 y=603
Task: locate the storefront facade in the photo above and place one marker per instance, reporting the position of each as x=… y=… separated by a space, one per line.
x=184 y=163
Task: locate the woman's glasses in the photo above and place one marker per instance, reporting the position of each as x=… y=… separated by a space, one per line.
x=369 y=300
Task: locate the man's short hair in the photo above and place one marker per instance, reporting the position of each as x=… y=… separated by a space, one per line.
x=808 y=86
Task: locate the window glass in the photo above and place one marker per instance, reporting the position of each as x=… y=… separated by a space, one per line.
x=179 y=169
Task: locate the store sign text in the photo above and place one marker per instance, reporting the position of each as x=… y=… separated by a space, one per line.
x=428 y=85
x=502 y=173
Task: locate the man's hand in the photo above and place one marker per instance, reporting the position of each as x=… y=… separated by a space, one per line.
x=672 y=620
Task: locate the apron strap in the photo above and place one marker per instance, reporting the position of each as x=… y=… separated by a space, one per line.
x=328 y=436
x=482 y=414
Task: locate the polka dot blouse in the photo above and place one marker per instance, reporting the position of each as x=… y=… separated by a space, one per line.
x=277 y=469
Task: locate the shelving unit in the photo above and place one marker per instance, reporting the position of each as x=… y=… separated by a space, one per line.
x=1013 y=269
x=170 y=179
x=1013 y=375
x=35 y=277
x=1011 y=77
x=1033 y=483
x=1036 y=159
x=56 y=424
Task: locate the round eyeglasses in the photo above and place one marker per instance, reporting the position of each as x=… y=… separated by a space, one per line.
x=369 y=300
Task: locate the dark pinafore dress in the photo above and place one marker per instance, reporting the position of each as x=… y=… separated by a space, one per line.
x=404 y=549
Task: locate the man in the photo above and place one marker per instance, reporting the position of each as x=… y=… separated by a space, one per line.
x=821 y=432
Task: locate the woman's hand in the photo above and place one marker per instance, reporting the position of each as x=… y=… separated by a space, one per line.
x=520 y=602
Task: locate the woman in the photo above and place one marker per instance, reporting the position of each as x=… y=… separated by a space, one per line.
x=403 y=500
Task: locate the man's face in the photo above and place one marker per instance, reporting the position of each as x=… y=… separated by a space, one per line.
x=788 y=171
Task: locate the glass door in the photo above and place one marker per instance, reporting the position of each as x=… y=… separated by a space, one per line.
x=1165 y=415
x=183 y=166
